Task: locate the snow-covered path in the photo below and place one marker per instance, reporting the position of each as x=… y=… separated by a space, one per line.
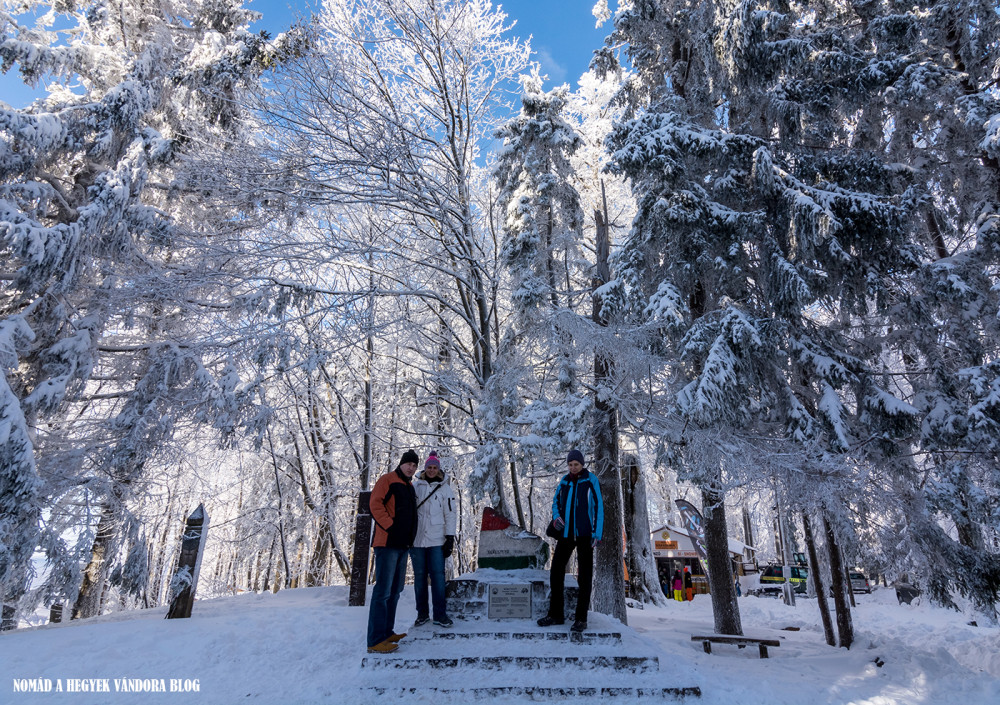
x=305 y=646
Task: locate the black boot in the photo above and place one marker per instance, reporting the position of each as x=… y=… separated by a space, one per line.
x=578 y=626
x=548 y=621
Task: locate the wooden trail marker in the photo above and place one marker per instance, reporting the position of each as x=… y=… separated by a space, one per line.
x=185 y=581
x=362 y=548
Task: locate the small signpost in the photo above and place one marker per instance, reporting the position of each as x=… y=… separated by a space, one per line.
x=8 y=619
x=185 y=580
x=362 y=548
x=509 y=601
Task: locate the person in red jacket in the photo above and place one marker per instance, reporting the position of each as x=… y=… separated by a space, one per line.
x=393 y=506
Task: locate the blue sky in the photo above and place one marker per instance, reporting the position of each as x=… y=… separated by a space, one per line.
x=563 y=33
x=563 y=37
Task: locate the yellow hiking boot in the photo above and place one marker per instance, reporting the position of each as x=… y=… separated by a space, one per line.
x=383 y=647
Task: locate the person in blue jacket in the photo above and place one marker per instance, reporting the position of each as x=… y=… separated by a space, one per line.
x=578 y=514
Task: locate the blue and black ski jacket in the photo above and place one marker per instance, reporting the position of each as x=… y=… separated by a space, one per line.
x=578 y=501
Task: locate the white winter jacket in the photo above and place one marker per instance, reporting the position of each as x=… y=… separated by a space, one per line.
x=436 y=517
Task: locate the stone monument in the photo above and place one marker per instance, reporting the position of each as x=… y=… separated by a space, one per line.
x=505 y=546
x=510 y=581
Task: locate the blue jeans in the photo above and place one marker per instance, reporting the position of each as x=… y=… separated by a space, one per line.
x=429 y=560
x=390 y=576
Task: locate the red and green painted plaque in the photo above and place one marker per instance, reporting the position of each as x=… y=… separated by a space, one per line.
x=504 y=545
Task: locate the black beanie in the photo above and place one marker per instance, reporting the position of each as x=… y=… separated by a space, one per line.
x=575 y=455
x=410 y=456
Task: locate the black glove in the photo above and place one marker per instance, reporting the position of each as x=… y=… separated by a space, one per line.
x=449 y=545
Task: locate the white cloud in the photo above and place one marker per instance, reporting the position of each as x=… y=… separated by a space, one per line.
x=550 y=67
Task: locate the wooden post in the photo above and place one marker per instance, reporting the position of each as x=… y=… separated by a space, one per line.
x=8 y=620
x=362 y=548
x=185 y=580
x=55 y=613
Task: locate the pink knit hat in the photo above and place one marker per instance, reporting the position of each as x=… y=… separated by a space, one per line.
x=432 y=459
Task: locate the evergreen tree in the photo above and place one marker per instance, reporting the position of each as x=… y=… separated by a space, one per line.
x=793 y=169
x=945 y=333
x=769 y=234
x=113 y=265
x=542 y=232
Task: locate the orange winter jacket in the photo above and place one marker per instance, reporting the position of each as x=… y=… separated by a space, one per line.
x=393 y=505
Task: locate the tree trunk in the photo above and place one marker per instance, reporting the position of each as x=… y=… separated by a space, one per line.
x=318 y=561
x=747 y=533
x=609 y=559
x=91 y=597
x=550 y=268
x=847 y=581
x=281 y=513
x=788 y=593
x=845 y=628
x=341 y=557
x=366 y=457
x=630 y=476
x=815 y=573
x=644 y=584
x=517 y=494
x=161 y=564
x=720 y=571
x=269 y=564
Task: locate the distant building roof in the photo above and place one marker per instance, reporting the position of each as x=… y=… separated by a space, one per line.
x=735 y=546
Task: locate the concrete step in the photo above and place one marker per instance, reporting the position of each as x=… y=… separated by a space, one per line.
x=586 y=638
x=540 y=692
x=632 y=664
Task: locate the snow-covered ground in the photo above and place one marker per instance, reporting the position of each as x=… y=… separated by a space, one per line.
x=306 y=646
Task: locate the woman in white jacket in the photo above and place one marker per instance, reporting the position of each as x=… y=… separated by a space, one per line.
x=434 y=542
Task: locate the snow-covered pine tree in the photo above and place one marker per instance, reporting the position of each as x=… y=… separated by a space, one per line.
x=109 y=264
x=675 y=220
x=771 y=237
x=542 y=207
x=947 y=333
x=20 y=487
x=542 y=227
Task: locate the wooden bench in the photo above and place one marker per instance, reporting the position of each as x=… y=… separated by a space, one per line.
x=740 y=641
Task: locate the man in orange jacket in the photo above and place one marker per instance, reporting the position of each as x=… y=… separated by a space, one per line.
x=393 y=506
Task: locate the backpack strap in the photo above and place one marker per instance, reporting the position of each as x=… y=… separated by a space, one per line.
x=440 y=485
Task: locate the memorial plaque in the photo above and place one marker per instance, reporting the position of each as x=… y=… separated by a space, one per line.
x=510 y=601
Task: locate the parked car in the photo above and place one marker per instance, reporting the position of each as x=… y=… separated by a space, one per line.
x=859 y=583
x=771 y=580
